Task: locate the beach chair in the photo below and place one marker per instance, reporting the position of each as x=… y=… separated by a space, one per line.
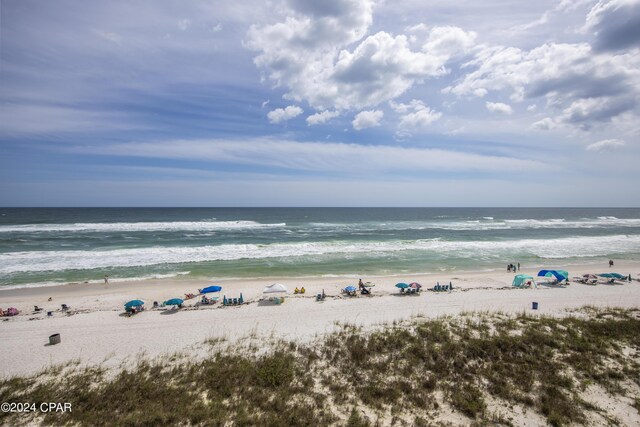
x=37 y=309
x=65 y=307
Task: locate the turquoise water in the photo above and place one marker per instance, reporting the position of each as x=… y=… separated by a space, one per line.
x=49 y=246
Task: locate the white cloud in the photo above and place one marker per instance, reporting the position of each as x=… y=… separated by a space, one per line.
x=327 y=157
x=312 y=54
x=615 y=23
x=184 y=24
x=498 y=107
x=583 y=88
x=367 y=119
x=420 y=115
x=545 y=124
x=283 y=114
x=605 y=145
x=532 y=107
x=216 y=28
x=321 y=117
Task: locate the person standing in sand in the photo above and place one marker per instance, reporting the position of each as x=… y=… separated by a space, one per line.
x=106 y=279
x=610 y=263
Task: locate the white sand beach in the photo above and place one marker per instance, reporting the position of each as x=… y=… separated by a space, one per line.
x=94 y=331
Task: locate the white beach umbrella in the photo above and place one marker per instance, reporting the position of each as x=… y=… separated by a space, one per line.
x=275 y=288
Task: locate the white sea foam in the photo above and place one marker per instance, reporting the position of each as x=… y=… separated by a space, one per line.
x=98 y=281
x=102 y=227
x=568 y=247
x=489 y=223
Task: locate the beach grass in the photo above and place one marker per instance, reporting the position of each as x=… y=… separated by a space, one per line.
x=485 y=368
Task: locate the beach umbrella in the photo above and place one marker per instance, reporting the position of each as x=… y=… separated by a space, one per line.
x=402 y=285
x=350 y=288
x=174 y=301
x=275 y=288
x=211 y=289
x=415 y=285
x=134 y=303
x=606 y=275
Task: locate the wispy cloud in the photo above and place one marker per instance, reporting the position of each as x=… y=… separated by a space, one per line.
x=605 y=145
x=327 y=157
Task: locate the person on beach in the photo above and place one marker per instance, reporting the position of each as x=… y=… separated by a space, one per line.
x=610 y=263
x=106 y=279
x=518 y=266
x=508 y=268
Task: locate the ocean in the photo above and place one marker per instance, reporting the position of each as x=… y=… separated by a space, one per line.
x=43 y=246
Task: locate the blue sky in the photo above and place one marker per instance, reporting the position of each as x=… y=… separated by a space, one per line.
x=335 y=103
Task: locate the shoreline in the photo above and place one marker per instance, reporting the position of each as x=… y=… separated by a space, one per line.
x=95 y=332
x=185 y=276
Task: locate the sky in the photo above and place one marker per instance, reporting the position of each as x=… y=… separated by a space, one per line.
x=307 y=103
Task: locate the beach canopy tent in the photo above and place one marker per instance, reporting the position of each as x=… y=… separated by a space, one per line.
x=613 y=276
x=275 y=288
x=558 y=274
x=402 y=285
x=211 y=289
x=521 y=279
x=134 y=303
x=174 y=301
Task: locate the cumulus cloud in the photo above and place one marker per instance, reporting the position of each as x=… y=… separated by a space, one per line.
x=415 y=114
x=367 y=119
x=498 y=107
x=321 y=55
x=283 y=114
x=584 y=112
x=581 y=87
x=615 y=24
x=321 y=117
x=605 y=145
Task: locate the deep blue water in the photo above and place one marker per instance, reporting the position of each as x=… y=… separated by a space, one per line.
x=39 y=245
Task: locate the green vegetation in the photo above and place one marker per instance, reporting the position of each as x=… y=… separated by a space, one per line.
x=481 y=367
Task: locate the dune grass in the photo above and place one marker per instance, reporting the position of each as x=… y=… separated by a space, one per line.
x=400 y=374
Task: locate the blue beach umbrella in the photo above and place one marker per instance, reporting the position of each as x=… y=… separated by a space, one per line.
x=211 y=289
x=174 y=301
x=350 y=289
x=134 y=303
x=402 y=285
